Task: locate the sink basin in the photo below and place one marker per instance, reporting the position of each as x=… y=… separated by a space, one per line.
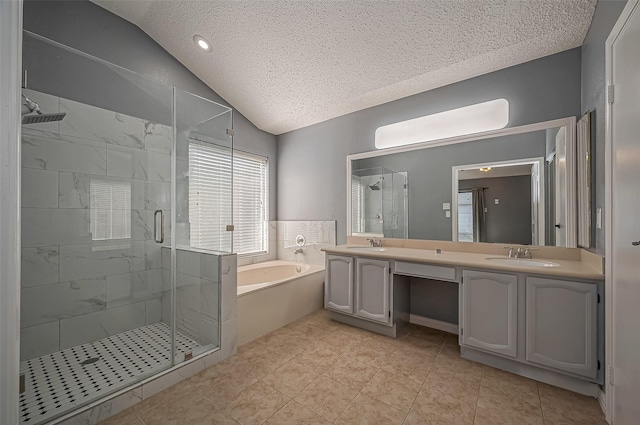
x=522 y=262
x=367 y=248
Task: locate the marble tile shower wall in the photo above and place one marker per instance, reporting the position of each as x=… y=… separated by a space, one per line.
x=76 y=288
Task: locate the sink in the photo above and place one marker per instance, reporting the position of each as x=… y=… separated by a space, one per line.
x=523 y=262
x=367 y=248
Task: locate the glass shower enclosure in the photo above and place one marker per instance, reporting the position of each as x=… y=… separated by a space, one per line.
x=379 y=203
x=110 y=291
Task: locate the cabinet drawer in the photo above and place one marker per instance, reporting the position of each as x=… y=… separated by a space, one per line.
x=426 y=270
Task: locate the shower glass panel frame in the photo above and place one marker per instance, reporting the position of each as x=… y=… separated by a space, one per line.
x=100 y=302
x=379 y=203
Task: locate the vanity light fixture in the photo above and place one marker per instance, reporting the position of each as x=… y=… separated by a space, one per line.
x=486 y=116
x=485 y=169
x=202 y=43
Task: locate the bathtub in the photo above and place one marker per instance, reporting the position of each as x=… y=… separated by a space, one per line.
x=275 y=293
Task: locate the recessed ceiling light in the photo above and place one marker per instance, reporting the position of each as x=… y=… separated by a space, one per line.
x=202 y=43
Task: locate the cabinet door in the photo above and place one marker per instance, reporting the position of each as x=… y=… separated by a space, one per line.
x=372 y=290
x=338 y=284
x=490 y=311
x=562 y=325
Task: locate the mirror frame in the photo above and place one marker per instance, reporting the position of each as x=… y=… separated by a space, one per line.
x=569 y=123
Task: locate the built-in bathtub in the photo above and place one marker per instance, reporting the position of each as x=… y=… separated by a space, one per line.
x=275 y=293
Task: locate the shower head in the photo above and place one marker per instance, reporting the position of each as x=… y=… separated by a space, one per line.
x=375 y=186
x=33 y=114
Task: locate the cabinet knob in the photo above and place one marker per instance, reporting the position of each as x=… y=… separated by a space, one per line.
x=636 y=243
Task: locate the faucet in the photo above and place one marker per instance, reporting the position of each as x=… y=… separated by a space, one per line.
x=297 y=251
x=519 y=252
x=374 y=243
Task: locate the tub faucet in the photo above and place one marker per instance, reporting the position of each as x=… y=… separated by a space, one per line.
x=376 y=243
x=297 y=251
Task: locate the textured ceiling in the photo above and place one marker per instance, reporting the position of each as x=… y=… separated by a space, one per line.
x=290 y=64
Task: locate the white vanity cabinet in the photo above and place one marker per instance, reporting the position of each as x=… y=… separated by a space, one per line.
x=490 y=312
x=338 y=286
x=373 y=290
x=561 y=325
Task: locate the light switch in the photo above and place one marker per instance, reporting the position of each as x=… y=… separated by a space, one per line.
x=599 y=218
x=496 y=201
x=447 y=214
x=446 y=206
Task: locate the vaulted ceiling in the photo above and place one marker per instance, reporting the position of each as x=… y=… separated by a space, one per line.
x=290 y=64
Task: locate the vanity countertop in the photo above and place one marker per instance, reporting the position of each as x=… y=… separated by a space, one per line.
x=573 y=268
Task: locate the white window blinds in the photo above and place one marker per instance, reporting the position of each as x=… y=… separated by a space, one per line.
x=110 y=209
x=357 y=205
x=210 y=199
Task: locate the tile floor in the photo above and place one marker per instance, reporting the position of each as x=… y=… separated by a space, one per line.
x=316 y=371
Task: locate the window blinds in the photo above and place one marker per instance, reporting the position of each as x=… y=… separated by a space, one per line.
x=110 y=209
x=211 y=199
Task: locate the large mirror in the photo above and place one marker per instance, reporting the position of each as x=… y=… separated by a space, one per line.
x=511 y=186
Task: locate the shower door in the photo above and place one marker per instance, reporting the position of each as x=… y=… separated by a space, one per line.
x=96 y=230
x=203 y=219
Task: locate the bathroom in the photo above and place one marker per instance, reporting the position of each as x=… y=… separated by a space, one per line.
x=137 y=120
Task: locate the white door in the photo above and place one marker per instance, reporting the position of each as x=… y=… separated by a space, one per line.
x=490 y=311
x=624 y=218
x=560 y=163
x=338 y=284
x=561 y=325
x=372 y=290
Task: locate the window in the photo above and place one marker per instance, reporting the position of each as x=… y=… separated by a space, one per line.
x=210 y=203
x=110 y=209
x=357 y=205
x=465 y=217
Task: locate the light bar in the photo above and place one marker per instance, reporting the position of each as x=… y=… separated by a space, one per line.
x=486 y=116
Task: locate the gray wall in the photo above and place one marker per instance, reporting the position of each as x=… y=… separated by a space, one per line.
x=509 y=221
x=594 y=99
x=87 y=27
x=312 y=160
x=434 y=299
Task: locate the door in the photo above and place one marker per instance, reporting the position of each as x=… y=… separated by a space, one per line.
x=560 y=164
x=623 y=219
x=372 y=290
x=490 y=311
x=561 y=329
x=338 y=285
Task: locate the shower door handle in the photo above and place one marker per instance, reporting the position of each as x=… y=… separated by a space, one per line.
x=156 y=225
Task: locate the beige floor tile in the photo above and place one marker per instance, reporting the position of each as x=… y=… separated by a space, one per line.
x=293 y=413
x=563 y=407
x=436 y=407
x=414 y=419
x=318 y=358
x=505 y=417
x=188 y=411
x=393 y=390
x=221 y=390
x=453 y=384
x=260 y=361
x=290 y=378
x=326 y=397
x=419 y=346
x=409 y=366
x=175 y=392
x=492 y=398
x=127 y=417
x=351 y=372
x=508 y=383
x=341 y=341
x=255 y=404
x=365 y=410
x=432 y=335
x=372 y=352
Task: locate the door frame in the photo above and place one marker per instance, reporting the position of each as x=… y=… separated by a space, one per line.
x=10 y=71
x=537 y=198
x=607 y=399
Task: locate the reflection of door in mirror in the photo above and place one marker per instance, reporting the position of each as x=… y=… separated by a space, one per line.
x=560 y=189
x=500 y=202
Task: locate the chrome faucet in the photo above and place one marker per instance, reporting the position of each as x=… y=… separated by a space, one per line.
x=374 y=243
x=519 y=252
x=297 y=251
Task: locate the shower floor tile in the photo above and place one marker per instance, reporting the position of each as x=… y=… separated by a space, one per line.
x=60 y=381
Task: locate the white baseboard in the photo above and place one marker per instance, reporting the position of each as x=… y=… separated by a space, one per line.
x=434 y=324
x=602 y=399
